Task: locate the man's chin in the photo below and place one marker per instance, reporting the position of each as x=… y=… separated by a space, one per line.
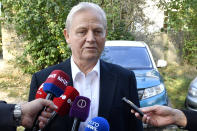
x=91 y=57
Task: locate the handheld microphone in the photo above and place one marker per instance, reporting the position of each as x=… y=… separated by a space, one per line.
x=54 y=86
x=80 y=111
x=97 y=124
x=40 y=93
x=63 y=103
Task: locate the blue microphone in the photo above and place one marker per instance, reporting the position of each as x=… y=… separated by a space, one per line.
x=97 y=124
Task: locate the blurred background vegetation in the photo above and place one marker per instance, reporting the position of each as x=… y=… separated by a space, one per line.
x=41 y=23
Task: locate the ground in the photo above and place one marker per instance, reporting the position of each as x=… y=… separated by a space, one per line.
x=14 y=84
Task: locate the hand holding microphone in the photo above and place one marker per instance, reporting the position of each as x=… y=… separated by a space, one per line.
x=54 y=86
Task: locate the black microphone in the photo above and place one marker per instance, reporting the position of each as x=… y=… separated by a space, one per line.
x=54 y=86
x=80 y=111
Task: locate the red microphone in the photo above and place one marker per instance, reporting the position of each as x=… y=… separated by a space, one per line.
x=63 y=103
x=54 y=86
x=40 y=93
x=65 y=100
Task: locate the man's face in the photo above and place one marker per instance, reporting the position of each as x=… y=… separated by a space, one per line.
x=86 y=36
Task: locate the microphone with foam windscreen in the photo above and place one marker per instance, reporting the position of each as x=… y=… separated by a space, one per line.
x=40 y=93
x=54 y=86
x=97 y=124
x=80 y=111
x=63 y=103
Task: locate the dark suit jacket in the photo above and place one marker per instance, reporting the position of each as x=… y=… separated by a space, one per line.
x=115 y=83
x=191 y=120
x=6 y=117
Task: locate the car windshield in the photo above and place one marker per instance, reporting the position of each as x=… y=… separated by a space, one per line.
x=127 y=56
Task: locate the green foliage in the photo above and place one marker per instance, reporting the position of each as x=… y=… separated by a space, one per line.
x=182 y=17
x=41 y=23
x=177 y=80
x=119 y=33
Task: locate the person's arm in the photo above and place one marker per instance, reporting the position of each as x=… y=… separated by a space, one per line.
x=27 y=113
x=31 y=109
x=191 y=120
x=162 y=116
x=6 y=119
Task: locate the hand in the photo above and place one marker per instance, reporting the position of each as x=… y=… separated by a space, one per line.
x=31 y=109
x=162 y=116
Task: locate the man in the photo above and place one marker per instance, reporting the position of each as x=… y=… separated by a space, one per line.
x=23 y=115
x=164 y=115
x=105 y=84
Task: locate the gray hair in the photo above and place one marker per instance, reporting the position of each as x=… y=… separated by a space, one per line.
x=84 y=6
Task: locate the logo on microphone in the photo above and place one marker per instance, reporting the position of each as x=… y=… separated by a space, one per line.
x=94 y=124
x=61 y=79
x=40 y=88
x=81 y=103
x=63 y=97
x=69 y=101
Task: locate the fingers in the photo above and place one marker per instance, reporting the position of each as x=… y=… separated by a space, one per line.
x=49 y=110
x=41 y=125
x=43 y=121
x=48 y=103
x=145 y=118
x=46 y=114
x=44 y=118
x=148 y=109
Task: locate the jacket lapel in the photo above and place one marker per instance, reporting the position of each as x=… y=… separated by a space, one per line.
x=108 y=81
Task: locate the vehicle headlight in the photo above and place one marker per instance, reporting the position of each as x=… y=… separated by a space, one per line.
x=193 y=91
x=149 y=92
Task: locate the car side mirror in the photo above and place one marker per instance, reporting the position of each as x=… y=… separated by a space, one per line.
x=161 y=63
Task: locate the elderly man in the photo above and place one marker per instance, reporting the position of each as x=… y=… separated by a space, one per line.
x=104 y=83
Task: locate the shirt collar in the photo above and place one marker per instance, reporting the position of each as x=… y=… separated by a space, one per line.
x=75 y=69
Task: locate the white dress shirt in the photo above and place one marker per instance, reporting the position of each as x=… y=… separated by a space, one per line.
x=88 y=86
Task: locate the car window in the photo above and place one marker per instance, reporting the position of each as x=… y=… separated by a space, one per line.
x=127 y=56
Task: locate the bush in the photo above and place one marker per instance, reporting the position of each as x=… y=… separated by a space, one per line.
x=41 y=23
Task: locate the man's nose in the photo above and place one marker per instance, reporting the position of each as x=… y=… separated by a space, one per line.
x=90 y=36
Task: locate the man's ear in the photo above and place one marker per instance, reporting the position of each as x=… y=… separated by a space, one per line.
x=66 y=36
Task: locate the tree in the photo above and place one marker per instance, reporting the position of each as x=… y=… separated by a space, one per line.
x=182 y=17
x=41 y=23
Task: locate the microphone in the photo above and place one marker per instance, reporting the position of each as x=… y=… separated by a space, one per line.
x=54 y=86
x=63 y=103
x=97 y=124
x=40 y=93
x=80 y=111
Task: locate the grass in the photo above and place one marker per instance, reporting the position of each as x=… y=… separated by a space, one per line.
x=15 y=84
x=177 y=80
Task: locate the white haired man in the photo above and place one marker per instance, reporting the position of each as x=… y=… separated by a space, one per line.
x=104 y=83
